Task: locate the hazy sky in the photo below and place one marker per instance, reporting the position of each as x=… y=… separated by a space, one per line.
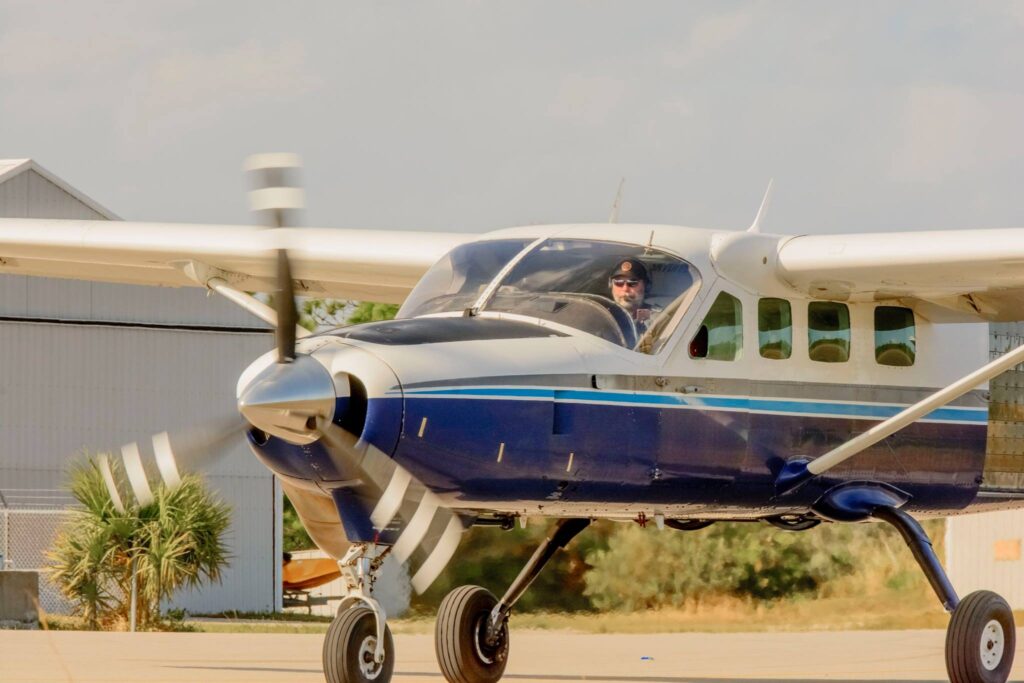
x=479 y=115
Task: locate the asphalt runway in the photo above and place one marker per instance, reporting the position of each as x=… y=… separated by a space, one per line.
x=845 y=656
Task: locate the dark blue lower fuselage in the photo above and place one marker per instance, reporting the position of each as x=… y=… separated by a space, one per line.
x=540 y=450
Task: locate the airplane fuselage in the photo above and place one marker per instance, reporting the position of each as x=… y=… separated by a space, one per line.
x=516 y=414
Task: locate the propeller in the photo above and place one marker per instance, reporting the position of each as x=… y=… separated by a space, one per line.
x=401 y=509
x=139 y=466
x=277 y=198
x=165 y=458
x=295 y=399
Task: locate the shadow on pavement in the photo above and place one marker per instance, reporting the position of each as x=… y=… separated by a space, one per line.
x=566 y=677
x=273 y=669
x=672 y=679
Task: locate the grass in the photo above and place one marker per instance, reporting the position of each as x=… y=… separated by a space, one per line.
x=891 y=610
x=885 y=591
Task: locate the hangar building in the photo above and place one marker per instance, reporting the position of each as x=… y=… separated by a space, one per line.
x=91 y=366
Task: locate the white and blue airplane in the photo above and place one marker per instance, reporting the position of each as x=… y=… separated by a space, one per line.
x=656 y=373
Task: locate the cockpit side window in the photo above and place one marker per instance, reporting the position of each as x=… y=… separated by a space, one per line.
x=720 y=336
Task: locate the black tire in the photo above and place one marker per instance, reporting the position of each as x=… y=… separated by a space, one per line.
x=463 y=655
x=349 y=645
x=980 y=640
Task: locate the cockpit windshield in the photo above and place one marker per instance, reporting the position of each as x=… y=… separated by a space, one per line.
x=625 y=294
x=456 y=281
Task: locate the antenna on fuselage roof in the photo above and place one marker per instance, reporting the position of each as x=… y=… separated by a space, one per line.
x=756 y=225
x=613 y=217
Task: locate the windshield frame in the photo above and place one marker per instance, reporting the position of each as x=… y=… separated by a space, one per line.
x=488 y=294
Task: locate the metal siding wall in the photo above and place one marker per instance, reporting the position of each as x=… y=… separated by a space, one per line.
x=248 y=584
x=37 y=297
x=970 y=554
x=69 y=387
x=46 y=200
x=14 y=197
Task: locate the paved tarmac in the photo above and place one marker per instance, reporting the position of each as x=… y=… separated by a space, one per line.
x=846 y=656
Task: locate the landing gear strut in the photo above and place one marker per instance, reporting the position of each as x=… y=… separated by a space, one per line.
x=358 y=647
x=980 y=639
x=471 y=637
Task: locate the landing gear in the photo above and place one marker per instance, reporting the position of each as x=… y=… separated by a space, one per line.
x=463 y=650
x=350 y=649
x=358 y=647
x=471 y=636
x=980 y=639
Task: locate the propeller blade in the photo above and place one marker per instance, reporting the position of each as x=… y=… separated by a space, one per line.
x=132 y=473
x=277 y=198
x=287 y=313
x=425 y=530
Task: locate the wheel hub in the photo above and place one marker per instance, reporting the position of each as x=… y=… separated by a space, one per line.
x=369 y=667
x=487 y=653
x=992 y=643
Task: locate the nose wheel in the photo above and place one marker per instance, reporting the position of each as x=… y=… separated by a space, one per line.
x=350 y=649
x=980 y=640
x=358 y=647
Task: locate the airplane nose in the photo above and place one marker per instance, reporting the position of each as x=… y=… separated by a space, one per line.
x=286 y=399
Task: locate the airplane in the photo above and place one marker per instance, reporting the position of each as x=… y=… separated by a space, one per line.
x=751 y=377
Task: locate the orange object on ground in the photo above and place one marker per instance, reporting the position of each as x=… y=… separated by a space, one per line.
x=301 y=575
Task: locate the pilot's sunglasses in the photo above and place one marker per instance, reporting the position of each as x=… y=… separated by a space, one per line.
x=623 y=282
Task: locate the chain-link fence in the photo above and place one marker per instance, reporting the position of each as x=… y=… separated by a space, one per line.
x=27 y=532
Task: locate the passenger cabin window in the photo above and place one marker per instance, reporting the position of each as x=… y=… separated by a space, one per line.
x=895 y=338
x=774 y=329
x=828 y=332
x=720 y=336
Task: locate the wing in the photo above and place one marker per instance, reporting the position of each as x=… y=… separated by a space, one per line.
x=960 y=275
x=375 y=265
x=946 y=276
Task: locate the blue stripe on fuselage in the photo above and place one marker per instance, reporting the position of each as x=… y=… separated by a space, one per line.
x=867 y=411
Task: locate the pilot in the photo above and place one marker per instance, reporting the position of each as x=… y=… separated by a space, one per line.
x=629 y=283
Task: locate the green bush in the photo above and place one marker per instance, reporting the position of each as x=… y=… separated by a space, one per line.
x=492 y=558
x=645 y=568
x=174 y=542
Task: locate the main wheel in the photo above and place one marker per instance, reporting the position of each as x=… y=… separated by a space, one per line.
x=459 y=637
x=350 y=645
x=980 y=640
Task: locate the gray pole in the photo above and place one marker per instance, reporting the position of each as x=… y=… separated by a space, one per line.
x=131 y=617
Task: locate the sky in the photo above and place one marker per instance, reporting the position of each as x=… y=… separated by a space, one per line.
x=471 y=116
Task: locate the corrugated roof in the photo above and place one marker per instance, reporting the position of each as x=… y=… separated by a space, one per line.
x=10 y=168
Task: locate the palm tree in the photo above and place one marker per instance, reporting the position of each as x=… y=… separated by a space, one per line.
x=174 y=542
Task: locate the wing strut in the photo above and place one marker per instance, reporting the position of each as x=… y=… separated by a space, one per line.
x=214 y=280
x=799 y=471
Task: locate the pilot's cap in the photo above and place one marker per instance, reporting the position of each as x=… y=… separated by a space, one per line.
x=631 y=268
